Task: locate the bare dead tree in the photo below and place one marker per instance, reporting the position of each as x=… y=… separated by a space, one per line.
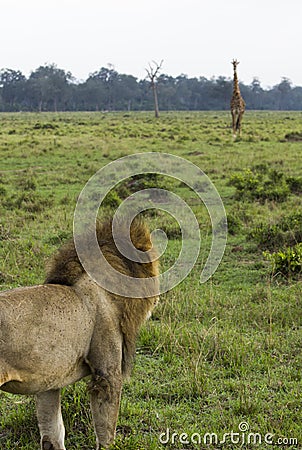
x=153 y=72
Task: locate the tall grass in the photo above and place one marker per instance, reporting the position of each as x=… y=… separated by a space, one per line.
x=213 y=355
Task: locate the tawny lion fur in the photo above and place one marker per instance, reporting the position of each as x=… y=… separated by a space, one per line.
x=54 y=334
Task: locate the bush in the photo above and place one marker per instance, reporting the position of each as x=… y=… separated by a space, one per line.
x=147 y=181
x=28 y=201
x=286 y=232
x=59 y=238
x=234 y=224
x=295 y=184
x=294 y=136
x=112 y=200
x=287 y=262
x=260 y=184
x=45 y=126
x=26 y=184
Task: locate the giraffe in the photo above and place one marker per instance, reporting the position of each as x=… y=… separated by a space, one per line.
x=237 y=102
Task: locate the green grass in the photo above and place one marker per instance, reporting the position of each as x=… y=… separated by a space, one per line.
x=213 y=355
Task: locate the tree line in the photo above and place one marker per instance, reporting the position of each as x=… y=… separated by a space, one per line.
x=49 y=88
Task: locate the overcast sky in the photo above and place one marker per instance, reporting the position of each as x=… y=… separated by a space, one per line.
x=193 y=37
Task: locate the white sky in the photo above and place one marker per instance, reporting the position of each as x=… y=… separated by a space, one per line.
x=194 y=37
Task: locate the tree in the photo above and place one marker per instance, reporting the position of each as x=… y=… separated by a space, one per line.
x=105 y=82
x=12 y=83
x=284 y=88
x=153 y=73
x=254 y=95
x=49 y=87
x=183 y=92
x=129 y=91
x=222 y=92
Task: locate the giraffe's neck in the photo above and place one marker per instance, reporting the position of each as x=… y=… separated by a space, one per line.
x=236 y=89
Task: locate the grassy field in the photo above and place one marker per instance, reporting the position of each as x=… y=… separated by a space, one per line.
x=216 y=357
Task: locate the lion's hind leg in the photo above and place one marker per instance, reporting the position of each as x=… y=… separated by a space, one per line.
x=50 y=420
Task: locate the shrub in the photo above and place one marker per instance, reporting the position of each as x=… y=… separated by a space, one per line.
x=45 y=126
x=59 y=238
x=234 y=224
x=287 y=231
x=287 y=262
x=112 y=200
x=26 y=182
x=294 y=136
x=28 y=201
x=295 y=184
x=145 y=181
x=260 y=184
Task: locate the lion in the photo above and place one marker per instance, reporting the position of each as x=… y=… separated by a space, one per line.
x=56 y=333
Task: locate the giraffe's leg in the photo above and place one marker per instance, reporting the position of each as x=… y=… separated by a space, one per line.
x=50 y=420
x=238 y=124
x=234 y=122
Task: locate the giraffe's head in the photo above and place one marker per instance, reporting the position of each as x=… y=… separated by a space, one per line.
x=235 y=63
